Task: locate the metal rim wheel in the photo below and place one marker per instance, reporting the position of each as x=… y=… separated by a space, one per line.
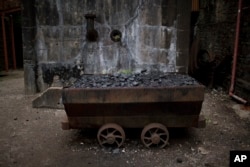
x=155 y=135
x=111 y=135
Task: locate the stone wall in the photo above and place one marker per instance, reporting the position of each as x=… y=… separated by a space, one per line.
x=243 y=63
x=154 y=36
x=216 y=28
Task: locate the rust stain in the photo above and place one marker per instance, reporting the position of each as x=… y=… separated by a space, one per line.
x=245 y=107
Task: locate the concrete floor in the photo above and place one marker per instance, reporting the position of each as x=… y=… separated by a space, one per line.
x=33 y=137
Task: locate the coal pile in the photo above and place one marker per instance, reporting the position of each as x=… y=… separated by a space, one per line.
x=143 y=79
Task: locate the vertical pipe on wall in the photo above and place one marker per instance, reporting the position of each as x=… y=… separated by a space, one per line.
x=12 y=42
x=236 y=45
x=5 y=44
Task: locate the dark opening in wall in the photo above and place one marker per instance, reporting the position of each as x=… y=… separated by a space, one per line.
x=116 y=35
x=92 y=34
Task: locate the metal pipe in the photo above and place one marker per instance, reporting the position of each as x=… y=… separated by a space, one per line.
x=237 y=98
x=13 y=42
x=92 y=34
x=90 y=21
x=5 y=45
x=236 y=46
x=12 y=10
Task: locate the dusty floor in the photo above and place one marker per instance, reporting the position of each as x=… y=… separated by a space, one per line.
x=33 y=137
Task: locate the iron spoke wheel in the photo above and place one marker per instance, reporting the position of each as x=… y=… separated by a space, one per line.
x=155 y=135
x=111 y=135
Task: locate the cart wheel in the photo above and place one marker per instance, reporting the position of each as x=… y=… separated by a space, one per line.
x=155 y=135
x=111 y=135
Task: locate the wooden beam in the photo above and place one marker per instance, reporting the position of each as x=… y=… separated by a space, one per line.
x=13 y=42
x=10 y=10
x=5 y=45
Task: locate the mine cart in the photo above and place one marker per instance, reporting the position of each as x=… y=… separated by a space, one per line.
x=129 y=101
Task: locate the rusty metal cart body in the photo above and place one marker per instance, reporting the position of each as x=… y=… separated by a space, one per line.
x=151 y=108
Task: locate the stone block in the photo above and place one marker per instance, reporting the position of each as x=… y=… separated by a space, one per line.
x=47 y=13
x=71 y=48
x=29 y=78
x=182 y=39
x=151 y=15
x=182 y=61
x=168 y=12
x=54 y=49
x=51 y=98
x=73 y=32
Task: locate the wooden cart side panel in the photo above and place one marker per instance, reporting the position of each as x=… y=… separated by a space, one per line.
x=133 y=121
x=133 y=109
x=134 y=115
x=133 y=95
